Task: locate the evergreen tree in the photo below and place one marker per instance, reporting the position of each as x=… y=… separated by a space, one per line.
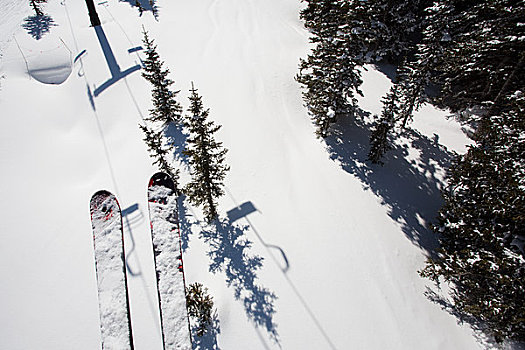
x=483 y=63
x=39 y=25
x=154 y=9
x=155 y=142
x=165 y=109
x=330 y=79
x=200 y=307
x=379 y=143
x=329 y=74
x=384 y=29
x=472 y=51
x=206 y=158
x=139 y=6
x=349 y=34
x=37 y=6
x=482 y=226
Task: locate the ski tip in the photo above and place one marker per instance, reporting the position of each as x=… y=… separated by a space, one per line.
x=161 y=179
x=100 y=197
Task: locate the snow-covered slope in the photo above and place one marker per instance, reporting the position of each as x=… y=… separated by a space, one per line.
x=320 y=251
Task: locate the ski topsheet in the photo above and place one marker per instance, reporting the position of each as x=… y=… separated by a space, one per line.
x=162 y=200
x=115 y=323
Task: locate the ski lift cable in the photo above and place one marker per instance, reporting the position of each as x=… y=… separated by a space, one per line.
x=19 y=48
x=135 y=50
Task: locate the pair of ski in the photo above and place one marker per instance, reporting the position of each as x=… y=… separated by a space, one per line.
x=106 y=220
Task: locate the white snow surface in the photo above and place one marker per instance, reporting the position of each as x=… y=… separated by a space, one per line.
x=323 y=249
x=165 y=239
x=111 y=278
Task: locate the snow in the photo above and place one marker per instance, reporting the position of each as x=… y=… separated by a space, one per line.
x=327 y=260
x=111 y=274
x=168 y=260
x=48 y=60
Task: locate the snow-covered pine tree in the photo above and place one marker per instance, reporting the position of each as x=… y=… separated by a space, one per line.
x=329 y=74
x=155 y=142
x=384 y=29
x=417 y=72
x=165 y=109
x=379 y=143
x=330 y=79
x=349 y=34
x=484 y=62
x=482 y=226
x=206 y=158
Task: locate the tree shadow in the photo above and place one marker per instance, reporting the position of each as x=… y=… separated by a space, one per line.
x=176 y=136
x=208 y=341
x=278 y=256
x=185 y=222
x=38 y=26
x=229 y=253
x=144 y=6
x=407 y=184
x=389 y=69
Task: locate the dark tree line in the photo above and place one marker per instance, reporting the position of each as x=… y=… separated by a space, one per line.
x=465 y=56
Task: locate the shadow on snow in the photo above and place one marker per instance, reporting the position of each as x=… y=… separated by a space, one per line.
x=208 y=341
x=144 y=6
x=409 y=188
x=176 y=137
x=229 y=253
x=111 y=61
x=37 y=26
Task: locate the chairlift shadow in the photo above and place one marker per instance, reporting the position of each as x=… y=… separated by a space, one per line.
x=114 y=68
x=132 y=216
x=230 y=253
x=280 y=259
x=242 y=211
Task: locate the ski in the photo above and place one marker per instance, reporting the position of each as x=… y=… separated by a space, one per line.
x=113 y=299
x=165 y=234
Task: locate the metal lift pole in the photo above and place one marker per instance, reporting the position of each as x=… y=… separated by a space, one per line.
x=93 y=16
